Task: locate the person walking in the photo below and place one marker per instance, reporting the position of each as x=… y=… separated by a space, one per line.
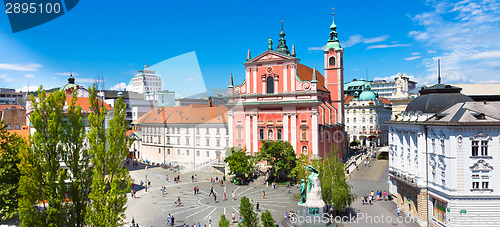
x=224 y=198
x=385 y=196
x=257 y=207
x=399 y=212
x=173 y=220
x=233 y=217
x=211 y=191
x=263 y=194
x=169 y=220
x=211 y=180
x=215 y=198
x=233 y=195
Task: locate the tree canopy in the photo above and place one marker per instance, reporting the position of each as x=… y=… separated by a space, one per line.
x=248 y=215
x=238 y=162
x=280 y=155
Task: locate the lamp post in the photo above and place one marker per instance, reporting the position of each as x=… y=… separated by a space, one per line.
x=147 y=164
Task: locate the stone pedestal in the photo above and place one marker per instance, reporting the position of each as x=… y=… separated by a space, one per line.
x=310 y=216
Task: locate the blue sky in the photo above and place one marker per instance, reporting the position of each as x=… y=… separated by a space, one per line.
x=380 y=39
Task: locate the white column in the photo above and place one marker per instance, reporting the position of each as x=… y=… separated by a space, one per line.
x=293 y=127
x=315 y=132
x=247 y=80
x=255 y=145
x=247 y=132
x=285 y=77
x=255 y=81
x=276 y=84
x=292 y=77
x=264 y=87
x=285 y=127
x=230 y=128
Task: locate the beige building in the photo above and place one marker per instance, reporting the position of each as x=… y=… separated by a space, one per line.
x=401 y=96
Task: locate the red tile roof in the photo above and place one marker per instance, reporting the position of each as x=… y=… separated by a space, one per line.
x=5 y=106
x=85 y=104
x=192 y=114
x=305 y=73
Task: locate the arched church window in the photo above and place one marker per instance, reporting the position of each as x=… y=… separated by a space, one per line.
x=270 y=84
x=331 y=61
x=304 y=150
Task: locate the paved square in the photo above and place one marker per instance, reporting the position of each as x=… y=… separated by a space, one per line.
x=151 y=208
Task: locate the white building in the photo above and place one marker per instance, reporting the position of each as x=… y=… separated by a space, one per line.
x=444 y=150
x=402 y=94
x=387 y=88
x=365 y=117
x=194 y=134
x=146 y=81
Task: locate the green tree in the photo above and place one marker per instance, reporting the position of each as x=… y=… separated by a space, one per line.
x=223 y=222
x=110 y=178
x=43 y=180
x=238 y=162
x=280 y=155
x=300 y=172
x=10 y=149
x=267 y=219
x=335 y=189
x=77 y=160
x=247 y=214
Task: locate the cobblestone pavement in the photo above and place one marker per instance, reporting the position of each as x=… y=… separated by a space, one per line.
x=151 y=208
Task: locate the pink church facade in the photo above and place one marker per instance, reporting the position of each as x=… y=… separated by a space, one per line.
x=282 y=99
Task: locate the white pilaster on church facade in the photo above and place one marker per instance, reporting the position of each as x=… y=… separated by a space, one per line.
x=285 y=78
x=255 y=81
x=230 y=128
x=255 y=140
x=294 y=130
x=247 y=132
x=285 y=127
x=314 y=133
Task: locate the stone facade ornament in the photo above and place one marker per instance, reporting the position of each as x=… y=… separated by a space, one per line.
x=481 y=165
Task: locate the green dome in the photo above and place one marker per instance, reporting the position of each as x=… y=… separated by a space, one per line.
x=367 y=94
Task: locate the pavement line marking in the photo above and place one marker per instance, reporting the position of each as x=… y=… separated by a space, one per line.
x=247 y=195
x=272 y=205
x=186 y=210
x=224 y=211
x=236 y=210
x=270 y=209
x=236 y=189
x=210 y=213
x=245 y=191
x=197 y=212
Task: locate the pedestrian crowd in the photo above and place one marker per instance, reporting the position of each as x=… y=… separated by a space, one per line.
x=373 y=196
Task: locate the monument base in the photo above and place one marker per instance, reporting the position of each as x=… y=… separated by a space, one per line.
x=310 y=216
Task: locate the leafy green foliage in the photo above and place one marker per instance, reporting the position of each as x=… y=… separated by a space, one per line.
x=223 y=222
x=77 y=159
x=248 y=215
x=43 y=180
x=300 y=172
x=238 y=162
x=110 y=179
x=334 y=186
x=267 y=219
x=10 y=148
x=280 y=155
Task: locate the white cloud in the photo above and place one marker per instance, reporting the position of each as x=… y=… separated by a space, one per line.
x=412 y=58
x=431 y=52
x=486 y=54
x=415 y=53
x=465 y=33
x=189 y=79
x=121 y=87
x=21 y=67
x=391 y=78
x=387 y=46
x=66 y=74
x=3 y=75
x=29 y=75
x=316 y=48
x=27 y=88
x=355 y=39
x=88 y=80
x=6 y=78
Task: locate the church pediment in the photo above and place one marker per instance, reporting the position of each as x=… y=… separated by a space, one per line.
x=270 y=55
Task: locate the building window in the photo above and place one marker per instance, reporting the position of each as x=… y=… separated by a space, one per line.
x=439 y=210
x=207 y=141
x=187 y=130
x=371 y=120
x=187 y=152
x=270 y=135
x=178 y=140
x=485 y=185
x=484 y=148
x=218 y=142
x=178 y=151
x=354 y=111
x=304 y=149
x=168 y=139
x=354 y=120
x=159 y=139
x=198 y=131
x=354 y=128
x=197 y=153
x=187 y=140
x=475 y=185
x=197 y=141
x=270 y=84
x=347 y=120
x=347 y=127
x=159 y=150
x=475 y=148
x=218 y=131
x=239 y=134
x=331 y=61
x=261 y=134
x=206 y=131
x=442 y=146
x=303 y=134
x=363 y=120
x=168 y=151
x=208 y=153
x=279 y=134
x=227 y=142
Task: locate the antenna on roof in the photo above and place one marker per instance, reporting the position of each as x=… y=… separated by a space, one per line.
x=439 y=71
